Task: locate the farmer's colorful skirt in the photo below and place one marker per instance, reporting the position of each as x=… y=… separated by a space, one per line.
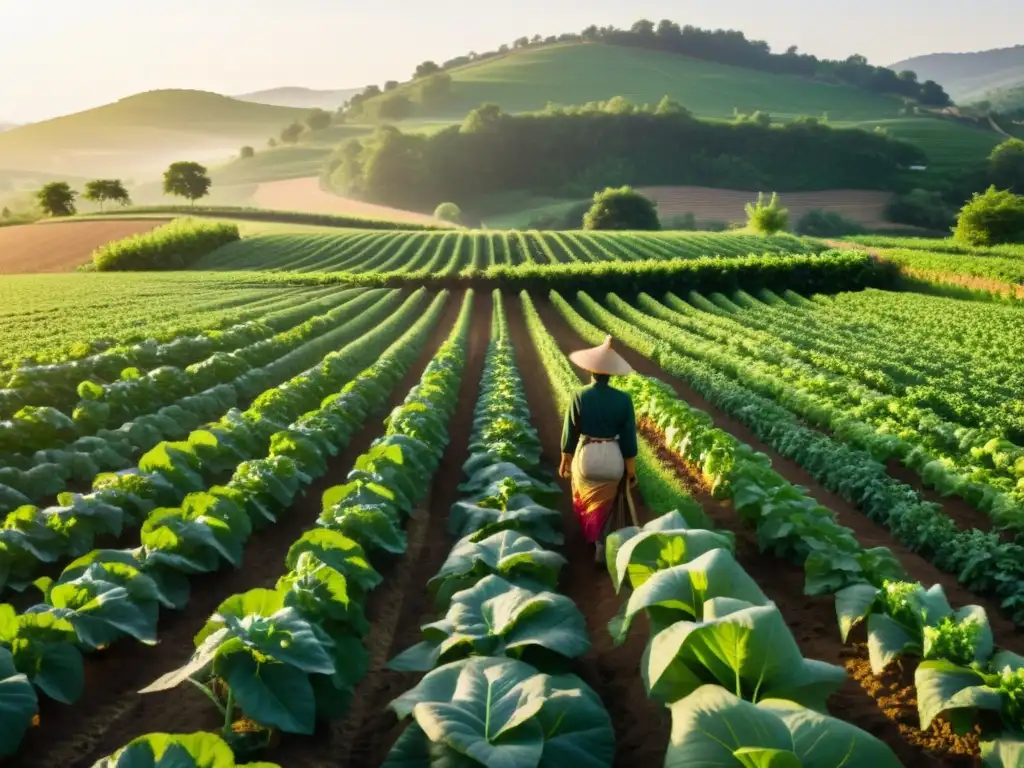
x=600 y=507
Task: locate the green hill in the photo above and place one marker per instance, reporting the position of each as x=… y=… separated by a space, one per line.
x=970 y=76
x=300 y=98
x=576 y=73
x=141 y=133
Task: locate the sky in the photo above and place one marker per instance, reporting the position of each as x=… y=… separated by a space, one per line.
x=62 y=56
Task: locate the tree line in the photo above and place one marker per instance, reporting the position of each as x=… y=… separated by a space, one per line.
x=183 y=179
x=570 y=153
x=724 y=46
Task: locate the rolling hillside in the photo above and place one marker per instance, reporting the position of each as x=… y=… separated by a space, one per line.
x=300 y=98
x=142 y=133
x=970 y=76
x=576 y=73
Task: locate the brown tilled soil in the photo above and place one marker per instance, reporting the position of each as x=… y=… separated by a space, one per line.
x=707 y=204
x=880 y=707
x=111 y=713
x=307 y=196
x=60 y=247
x=641 y=726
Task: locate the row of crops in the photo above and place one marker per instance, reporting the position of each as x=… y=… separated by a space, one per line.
x=449 y=253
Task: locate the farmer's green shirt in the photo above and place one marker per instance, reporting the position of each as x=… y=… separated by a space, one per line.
x=600 y=410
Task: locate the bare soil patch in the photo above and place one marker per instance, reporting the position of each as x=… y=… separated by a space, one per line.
x=60 y=247
x=306 y=195
x=707 y=204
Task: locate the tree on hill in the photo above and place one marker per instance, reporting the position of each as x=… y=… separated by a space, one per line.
x=246 y=152
x=1006 y=165
x=623 y=208
x=318 y=120
x=102 y=190
x=448 y=212
x=291 y=134
x=391 y=85
x=187 y=179
x=991 y=218
x=57 y=199
x=395 y=106
x=767 y=218
x=425 y=69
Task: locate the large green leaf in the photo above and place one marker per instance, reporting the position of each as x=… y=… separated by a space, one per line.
x=340 y=553
x=943 y=688
x=1002 y=753
x=273 y=694
x=17 y=704
x=167 y=750
x=497 y=617
x=508 y=554
x=541 y=524
x=103 y=612
x=681 y=591
x=654 y=550
x=746 y=649
x=501 y=713
x=320 y=594
x=373 y=527
x=712 y=727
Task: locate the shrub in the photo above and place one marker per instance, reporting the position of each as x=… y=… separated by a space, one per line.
x=246 y=152
x=623 y=208
x=176 y=245
x=1006 y=165
x=767 y=219
x=686 y=222
x=920 y=208
x=448 y=212
x=819 y=223
x=991 y=218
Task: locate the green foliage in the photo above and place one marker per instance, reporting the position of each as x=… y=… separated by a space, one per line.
x=57 y=199
x=102 y=190
x=561 y=150
x=623 y=209
x=767 y=218
x=318 y=120
x=290 y=134
x=819 y=223
x=173 y=246
x=448 y=212
x=187 y=179
x=195 y=750
x=1006 y=165
x=920 y=208
x=991 y=218
x=246 y=152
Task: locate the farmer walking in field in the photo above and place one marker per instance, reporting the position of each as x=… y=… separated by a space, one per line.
x=599 y=447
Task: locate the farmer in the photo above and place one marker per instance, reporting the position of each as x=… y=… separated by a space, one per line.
x=599 y=447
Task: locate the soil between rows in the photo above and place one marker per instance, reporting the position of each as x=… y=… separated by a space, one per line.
x=112 y=713
x=881 y=707
x=641 y=726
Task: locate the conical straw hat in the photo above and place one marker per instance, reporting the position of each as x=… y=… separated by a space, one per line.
x=602 y=359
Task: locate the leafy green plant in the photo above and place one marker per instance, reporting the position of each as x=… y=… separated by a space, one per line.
x=767 y=218
x=172 y=750
x=486 y=711
x=173 y=246
x=714 y=727
x=962 y=692
x=18 y=701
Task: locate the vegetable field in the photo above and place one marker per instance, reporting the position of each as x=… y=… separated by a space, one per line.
x=252 y=516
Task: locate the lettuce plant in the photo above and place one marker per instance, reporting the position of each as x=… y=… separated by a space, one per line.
x=960 y=692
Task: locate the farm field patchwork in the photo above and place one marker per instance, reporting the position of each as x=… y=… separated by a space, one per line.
x=319 y=523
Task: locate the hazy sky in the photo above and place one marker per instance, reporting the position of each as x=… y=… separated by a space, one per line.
x=65 y=55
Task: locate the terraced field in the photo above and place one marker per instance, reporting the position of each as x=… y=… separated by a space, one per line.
x=285 y=515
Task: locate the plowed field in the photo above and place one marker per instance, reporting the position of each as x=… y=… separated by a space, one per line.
x=61 y=247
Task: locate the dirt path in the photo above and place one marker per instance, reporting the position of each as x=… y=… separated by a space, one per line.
x=401 y=605
x=641 y=726
x=883 y=707
x=60 y=247
x=111 y=713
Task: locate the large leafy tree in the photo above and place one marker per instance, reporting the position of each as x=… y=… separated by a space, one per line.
x=57 y=199
x=622 y=208
x=187 y=179
x=102 y=190
x=1006 y=165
